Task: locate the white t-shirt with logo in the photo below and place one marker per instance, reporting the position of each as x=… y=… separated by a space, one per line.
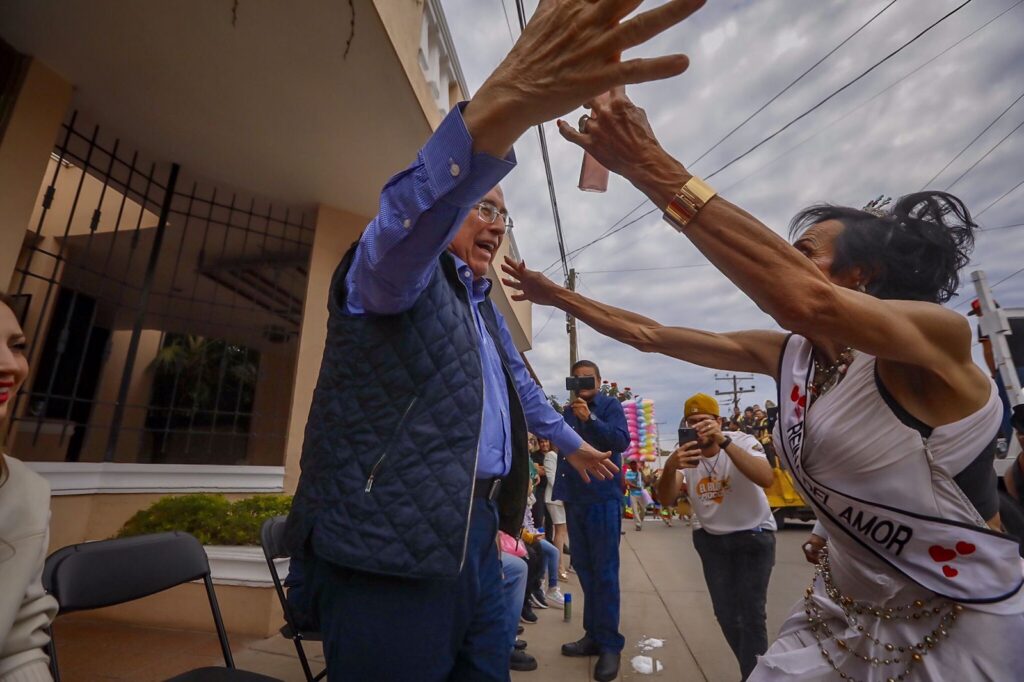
x=723 y=499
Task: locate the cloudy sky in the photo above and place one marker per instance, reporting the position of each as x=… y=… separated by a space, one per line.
x=887 y=134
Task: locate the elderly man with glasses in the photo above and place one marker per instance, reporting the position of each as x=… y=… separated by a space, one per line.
x=415 y=451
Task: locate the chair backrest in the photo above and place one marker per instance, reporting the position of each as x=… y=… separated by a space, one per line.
x=92 y=575
x=272 y=538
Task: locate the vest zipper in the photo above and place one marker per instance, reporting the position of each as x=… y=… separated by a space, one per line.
x=476 y=461
x=476 y=456
x=380 y=460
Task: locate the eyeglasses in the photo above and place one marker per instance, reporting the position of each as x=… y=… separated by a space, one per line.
x=488 y=213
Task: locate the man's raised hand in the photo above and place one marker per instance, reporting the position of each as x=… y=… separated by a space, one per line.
x=569 y=54
x=590 y=462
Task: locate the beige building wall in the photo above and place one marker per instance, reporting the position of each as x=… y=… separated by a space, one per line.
x=24 y=150
x=403 y=21
x=336 y=230
x=268 y=433
x=136 y=405
x=518 y=314
x=70 y=184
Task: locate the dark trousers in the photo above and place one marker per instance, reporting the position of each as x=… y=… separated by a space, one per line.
x=379 y=627
x=539 y=510
x=737 y=567
x=594 y=538
x=535 y=562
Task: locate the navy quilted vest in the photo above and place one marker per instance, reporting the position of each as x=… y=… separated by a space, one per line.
x=389 y=456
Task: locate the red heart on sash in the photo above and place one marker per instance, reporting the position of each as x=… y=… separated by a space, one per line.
x=965 y=548
x=949 y=571
x=940 y=554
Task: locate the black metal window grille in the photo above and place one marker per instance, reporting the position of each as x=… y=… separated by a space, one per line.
x=162 y=312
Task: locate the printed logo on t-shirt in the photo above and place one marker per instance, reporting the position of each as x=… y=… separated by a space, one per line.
x=712 y=489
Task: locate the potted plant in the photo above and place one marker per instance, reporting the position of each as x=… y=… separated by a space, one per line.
x=229 y=531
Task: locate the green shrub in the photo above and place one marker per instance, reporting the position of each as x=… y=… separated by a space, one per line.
x=211 y=518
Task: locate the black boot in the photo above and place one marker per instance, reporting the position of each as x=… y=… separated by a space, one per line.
x=582 y=647
x=607 y=668
x=523 y=661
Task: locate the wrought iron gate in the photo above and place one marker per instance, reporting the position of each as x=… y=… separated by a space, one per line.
x=162 y=312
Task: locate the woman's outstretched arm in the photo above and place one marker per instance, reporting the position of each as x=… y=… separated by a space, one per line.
x=745 y=351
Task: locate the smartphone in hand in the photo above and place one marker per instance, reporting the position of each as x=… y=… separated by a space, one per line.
x=687 y=434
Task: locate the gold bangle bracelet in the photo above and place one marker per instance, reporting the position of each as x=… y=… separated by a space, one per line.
x=688 y=202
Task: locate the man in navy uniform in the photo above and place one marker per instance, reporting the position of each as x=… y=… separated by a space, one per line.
x=594 y=515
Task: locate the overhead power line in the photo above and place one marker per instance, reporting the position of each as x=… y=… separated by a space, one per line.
x=667 y=267
x=878 y=94
x=821 y=130
x=611 y=230
x=1001 y=197
x=547 y=164
x=864 y=73
x=1002 y=227
x=984 y=156
x=976 y=137
x=504 y=10
x=967 y=301
x=792 y=83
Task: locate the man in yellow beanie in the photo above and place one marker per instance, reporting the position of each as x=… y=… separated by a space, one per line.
x=725 y=474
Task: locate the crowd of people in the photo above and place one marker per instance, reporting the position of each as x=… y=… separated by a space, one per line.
x=883 y=418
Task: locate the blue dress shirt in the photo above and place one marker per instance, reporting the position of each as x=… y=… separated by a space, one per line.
x=421 y=210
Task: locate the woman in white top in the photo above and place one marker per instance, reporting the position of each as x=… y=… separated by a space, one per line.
x=560 y=533
x=25 y=609
x=886 y=419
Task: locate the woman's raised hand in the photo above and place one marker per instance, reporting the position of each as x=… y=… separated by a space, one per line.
x=618 y=134
x=531 y=285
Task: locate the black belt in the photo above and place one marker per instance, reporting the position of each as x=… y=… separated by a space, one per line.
x=487 y=488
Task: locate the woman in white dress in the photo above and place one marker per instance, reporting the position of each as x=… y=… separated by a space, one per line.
x=885 y=420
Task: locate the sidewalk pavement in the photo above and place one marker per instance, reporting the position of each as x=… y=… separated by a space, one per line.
x=663 y=598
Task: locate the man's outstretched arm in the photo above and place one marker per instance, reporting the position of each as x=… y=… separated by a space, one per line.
x=568 y=54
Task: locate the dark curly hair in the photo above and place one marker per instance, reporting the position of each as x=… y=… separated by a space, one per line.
x=915 y=252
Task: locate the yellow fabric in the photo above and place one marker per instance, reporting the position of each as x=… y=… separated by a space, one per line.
x=701 y=403
x=529 y=538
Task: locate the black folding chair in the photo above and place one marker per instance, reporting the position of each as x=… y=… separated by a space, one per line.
x=92 y=575
x=272 y=540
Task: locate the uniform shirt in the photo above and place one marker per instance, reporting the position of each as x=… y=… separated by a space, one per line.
x=606 y=431
x=722 y=498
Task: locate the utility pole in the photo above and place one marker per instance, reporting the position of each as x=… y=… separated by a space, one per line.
x=736 y=390
x=570 y=326
x=995 y=324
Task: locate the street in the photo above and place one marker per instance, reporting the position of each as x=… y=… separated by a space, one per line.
x=664 y=598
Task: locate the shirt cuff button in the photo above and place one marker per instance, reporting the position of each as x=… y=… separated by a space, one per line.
x=407 y=223
x=454 y=170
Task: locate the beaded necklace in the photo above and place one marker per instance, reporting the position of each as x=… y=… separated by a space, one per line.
x=892 y=653
x=826 y=377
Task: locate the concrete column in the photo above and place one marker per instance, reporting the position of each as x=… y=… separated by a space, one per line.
x=335 y=232
x=24 y=152
x=268 y=433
